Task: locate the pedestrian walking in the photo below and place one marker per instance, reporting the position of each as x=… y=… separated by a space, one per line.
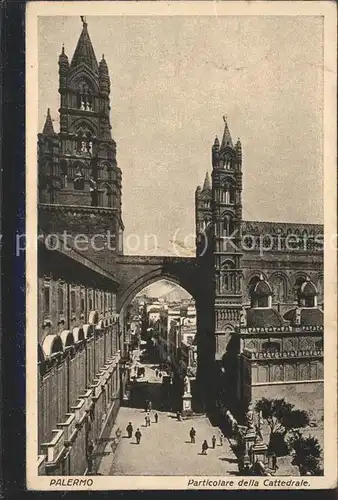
x=204 y=447
x=160 y=374
x=156 y=418
x=129 y=429
x=146 y=405
x=221 y=439
x=213 y=440
x=138 y=436
x=150 y=406
x=156 y=372
x=192 y=435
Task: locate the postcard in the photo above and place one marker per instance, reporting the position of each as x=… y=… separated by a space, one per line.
x=181 y=242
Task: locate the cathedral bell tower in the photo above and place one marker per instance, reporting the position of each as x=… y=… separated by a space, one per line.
x=77 y=166
x=226 y=218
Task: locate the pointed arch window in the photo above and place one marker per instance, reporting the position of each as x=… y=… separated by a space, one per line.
x=84 y=142
x=229 y=225
x=90 y=300
x=84 y=97
x=227 y=163
x=79 y=177
x=229 y=193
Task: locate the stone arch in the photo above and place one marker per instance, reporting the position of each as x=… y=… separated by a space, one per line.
x=85 y=125
x=100 y=326
x=297 y=280
x=78 y=334
x=52 y=344
x=88 y=331
x=256 y=273
x=228 y=264
x=67 y=338
x=148 y=279
x=82 y=72
x=93 y=317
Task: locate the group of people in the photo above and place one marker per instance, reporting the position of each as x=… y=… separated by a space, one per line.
x=205 y=445
x=138 y=434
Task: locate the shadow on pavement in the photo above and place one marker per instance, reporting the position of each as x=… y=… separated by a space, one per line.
x=229 y=460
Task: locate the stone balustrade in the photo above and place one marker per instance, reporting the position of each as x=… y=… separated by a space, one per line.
x=283 y=354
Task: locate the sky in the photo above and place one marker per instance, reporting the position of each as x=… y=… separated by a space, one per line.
x=172 y=80
x=162 y=287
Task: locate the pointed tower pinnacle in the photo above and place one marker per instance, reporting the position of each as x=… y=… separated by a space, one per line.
x=84 y=52
x=48 y=128
x=226 y=141
x=207 y=184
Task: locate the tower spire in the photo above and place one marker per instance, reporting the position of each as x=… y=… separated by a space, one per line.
x=84 y=52
x=48 y=128
x=226 y=141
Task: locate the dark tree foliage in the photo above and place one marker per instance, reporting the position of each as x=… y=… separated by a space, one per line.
x=281 y=418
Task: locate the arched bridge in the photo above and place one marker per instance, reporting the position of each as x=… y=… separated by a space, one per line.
x=136 y=272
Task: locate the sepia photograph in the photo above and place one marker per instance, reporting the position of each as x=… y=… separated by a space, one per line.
x=181 y=177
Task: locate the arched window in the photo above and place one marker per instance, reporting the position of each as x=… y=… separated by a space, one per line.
x=73 y=301
x=79 y=177
x=46 y=292
x=61 y=299
x=90 y=300
x=260 y=292
x=84 y=97
x=229 y=225
x=227 y=163
x=84 y=142
x=82 y=302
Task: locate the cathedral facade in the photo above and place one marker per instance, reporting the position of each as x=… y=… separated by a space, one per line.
x=263 y=330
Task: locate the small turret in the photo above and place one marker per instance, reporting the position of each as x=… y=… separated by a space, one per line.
x=48 y=128
x=238 y=149
x=215 y=153
x=104 y=76
x=63 y=60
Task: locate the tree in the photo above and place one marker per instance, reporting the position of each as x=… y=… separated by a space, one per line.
x=281 y=418
x=307 y=454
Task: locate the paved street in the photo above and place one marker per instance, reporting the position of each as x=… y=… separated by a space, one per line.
x=165 y=447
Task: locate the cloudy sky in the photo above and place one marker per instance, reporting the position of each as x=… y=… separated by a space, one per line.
x=172 y=80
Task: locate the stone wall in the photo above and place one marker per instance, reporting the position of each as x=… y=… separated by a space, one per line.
x=307 y=396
